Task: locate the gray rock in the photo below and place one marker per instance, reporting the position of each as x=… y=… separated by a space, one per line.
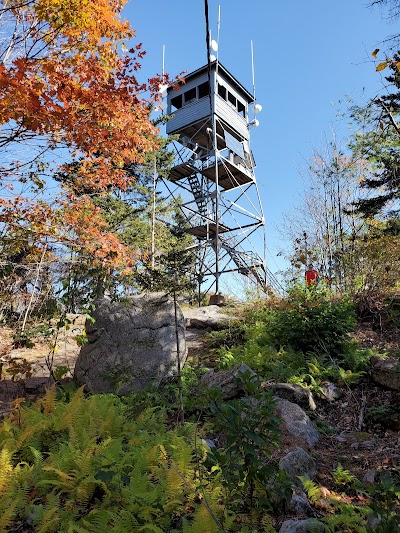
x=373 y=521
x=131 y=345
x=298 y=463
x=311 y=525
x=357 y=439
x=292 y=392
x=209 y=316
x=226 y=380
x=386 y=371
x=330 y=392
x=370 y=476
x=299 y=505
x=296 y=421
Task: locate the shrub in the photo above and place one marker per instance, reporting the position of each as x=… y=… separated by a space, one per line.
x=311 y=321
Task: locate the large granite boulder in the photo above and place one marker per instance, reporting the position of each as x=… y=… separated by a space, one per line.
x=386 y=371
x=131 y=345
x=209 y=316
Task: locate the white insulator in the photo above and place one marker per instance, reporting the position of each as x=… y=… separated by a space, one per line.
x=214 y=45
x=163 y=87
x=212 y=58
x=257 y=109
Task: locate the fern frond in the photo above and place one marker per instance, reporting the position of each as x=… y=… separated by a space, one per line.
x=26 y=435
x=50 y=521
x=151 y=527
x=37 y=456
x=174 y=481
x=203 y=521
x=311 y=488
x=85 y=489
x=347 y=517
x=47 y=404
x=62 y=475
x=6 y=469
x=8 y=510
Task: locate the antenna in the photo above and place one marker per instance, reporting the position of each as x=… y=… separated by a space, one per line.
x=218 y=28
x=257 y=108
x=214 y=44
x=252 y=70
x=163 y=86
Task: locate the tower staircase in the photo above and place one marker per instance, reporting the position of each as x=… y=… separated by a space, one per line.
x=198 y=194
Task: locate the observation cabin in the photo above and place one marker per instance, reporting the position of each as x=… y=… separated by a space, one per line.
x=212 y=96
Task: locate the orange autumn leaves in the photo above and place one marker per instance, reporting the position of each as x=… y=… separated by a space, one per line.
x=70 y=84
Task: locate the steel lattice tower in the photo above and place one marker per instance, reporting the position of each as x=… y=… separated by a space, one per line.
x=213 y=179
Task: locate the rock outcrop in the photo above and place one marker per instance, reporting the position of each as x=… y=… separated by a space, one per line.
x=209 y=316
x=131 y=345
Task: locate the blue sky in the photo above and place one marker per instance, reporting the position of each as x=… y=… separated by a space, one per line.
x=308 y=55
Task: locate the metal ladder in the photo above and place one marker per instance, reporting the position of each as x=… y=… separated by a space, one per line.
x=198 y=194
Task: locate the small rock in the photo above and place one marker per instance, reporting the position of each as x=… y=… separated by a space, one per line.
x=311 y=525
x=300 y=505
x=330 y=392
x=373 y=521
x=296 y=421
x=357 y=438
x=293 y=393
x=385 y=371
x=369 y=443
x=370 y=476
x=226 y=380
x=298 y=463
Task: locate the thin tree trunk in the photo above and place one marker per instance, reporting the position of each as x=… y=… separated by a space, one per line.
x=34 y=288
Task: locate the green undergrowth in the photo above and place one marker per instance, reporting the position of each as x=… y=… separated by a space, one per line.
x=91 y=463
x=94 y=463
x=369 y=508
x=302 y=339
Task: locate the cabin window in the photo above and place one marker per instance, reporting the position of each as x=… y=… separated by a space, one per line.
x=222 y=91
x=190 y=95
x=204 y=90
x=231 y=99
x=176 y=103
x=241 y=108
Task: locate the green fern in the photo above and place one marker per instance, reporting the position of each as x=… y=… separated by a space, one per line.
x=347 y=517
x=342 y=476
x=312 y=490
x=84 y=467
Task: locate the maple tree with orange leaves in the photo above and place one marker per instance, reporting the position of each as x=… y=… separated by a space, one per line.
x=69 y=88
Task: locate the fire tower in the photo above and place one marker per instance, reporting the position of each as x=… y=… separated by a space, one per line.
x=213 y=177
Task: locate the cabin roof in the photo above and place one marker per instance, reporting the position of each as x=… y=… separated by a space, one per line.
x=225 y=72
